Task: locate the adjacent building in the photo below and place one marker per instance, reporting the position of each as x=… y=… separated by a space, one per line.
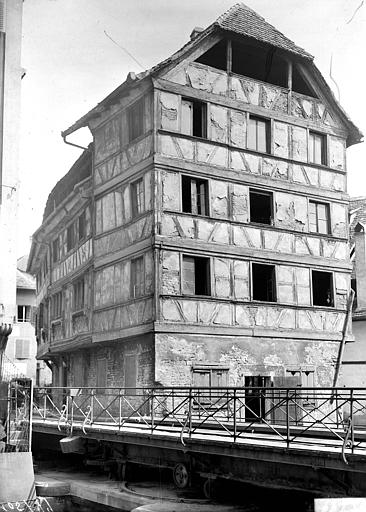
x=20 y=354
x=11 y=74
x=354 y=359
x=202 y=238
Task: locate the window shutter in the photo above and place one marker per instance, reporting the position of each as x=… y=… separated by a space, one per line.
x=187 y=117
x=21 y=348
x=188 y=275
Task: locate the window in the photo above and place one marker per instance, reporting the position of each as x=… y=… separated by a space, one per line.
x=135 y=115
x=196 y=275
x=24 y=314
x=194 y=195
x=56 y=305
x=264 y=282
x=317 y=148
x=261 y=207
x=322 y=288
x=209 y=376
x=21 y=349
x=194 y=118
x=79 y=297
x=255 y=399
x=258 y=134
x=81 y=226
x=55 y=250
x=137 y=277
x=137 y=197
x=70 y=237
x=318 y=217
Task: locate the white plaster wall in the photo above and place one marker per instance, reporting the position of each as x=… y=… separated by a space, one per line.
x=8 y=208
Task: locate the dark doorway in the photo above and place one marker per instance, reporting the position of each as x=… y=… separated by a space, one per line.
x=255 y=399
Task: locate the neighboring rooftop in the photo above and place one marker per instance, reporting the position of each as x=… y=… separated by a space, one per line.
x=25 y=281
x=357 y=213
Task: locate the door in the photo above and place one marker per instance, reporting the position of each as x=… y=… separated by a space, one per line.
x=255 y=399
x=286 y=404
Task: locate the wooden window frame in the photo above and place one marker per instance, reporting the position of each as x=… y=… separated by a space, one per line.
x=136 y=128
x=190 y=120
x=311 y=148
x=332 y=289
x=137 y=289
x=70 y=237
x=81 y=226
x=209 y=286
x=274 y=286
x=263 y=193
x=328 y=220
x=137 y=197
x=197 y=206
x=78 y=295
x=56 y=305
x=268 y=133
x=25 y=317
x=56 y=253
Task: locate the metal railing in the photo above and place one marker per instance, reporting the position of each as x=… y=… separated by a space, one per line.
x=330 y=418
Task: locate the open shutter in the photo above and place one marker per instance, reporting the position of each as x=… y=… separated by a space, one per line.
x=280 y=409
x=241 y=279
x=222 y=278
x=188 y=275
x=187 y=117
x=285 y=284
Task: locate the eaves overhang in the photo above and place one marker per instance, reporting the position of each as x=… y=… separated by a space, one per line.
x=239 y=20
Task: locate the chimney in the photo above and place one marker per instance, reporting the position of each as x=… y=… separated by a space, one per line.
x=195 y=32
x=360 y=264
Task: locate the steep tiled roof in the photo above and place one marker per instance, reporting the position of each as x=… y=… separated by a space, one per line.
x=239 y=19
x=25 y=281
x=246 y=22
x=357 y=213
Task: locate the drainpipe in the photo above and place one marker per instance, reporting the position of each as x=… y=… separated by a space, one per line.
x=64 y=135
x=343 y=342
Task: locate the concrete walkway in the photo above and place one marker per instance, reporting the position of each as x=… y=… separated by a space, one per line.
x=141 y=496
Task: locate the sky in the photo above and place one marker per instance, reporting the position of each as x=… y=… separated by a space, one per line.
x=71 y=65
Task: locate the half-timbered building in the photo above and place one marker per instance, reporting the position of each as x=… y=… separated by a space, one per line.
x=203 y=237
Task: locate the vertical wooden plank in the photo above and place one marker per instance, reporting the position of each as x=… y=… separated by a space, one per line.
x=186 y=117
x=188 y=275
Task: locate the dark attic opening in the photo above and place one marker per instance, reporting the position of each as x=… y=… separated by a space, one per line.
x=259 y=61
x=215 y=56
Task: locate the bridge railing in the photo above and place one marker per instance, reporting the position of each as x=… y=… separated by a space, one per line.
x=290 y=414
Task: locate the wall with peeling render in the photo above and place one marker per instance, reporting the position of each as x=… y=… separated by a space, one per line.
x=115 y=228
x=113 y=153
x=230 y=201
x=175 y=354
